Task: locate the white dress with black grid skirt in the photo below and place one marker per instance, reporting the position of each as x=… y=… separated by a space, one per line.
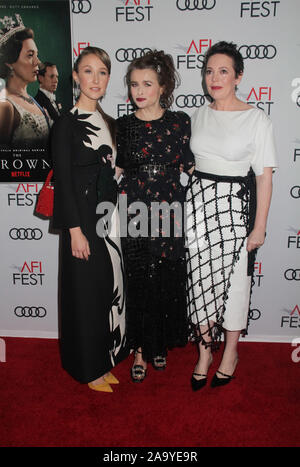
x=230 y=148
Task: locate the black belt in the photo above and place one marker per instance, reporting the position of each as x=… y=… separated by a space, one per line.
x=150 y=169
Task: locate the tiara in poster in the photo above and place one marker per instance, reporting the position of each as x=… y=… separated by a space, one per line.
x=9 y=26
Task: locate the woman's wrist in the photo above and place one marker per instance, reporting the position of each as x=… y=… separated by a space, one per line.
x=75 y=231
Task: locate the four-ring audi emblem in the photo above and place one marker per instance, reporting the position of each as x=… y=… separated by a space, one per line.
x=127 y=55
x=258 y=51
x=195 y=4
x=25 y=234
x=292 y=274
x=30 y=311
x=81 y=6
x=254 y=314
x=295 y=191
x=190 y=100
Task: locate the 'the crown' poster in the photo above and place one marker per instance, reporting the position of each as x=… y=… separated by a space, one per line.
x=35 y=84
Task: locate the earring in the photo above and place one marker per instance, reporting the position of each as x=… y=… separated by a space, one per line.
x=162 y=102
x=11 y=72
x=76 y=90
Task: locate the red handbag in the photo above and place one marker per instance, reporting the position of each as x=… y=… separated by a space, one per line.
x=44 y=205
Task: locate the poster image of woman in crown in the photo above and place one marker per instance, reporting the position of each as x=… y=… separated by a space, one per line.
x=25 y=124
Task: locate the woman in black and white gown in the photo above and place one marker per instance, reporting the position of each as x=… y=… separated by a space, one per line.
x=92 y=324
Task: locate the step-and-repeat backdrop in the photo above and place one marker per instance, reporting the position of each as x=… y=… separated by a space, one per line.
x=267 y=34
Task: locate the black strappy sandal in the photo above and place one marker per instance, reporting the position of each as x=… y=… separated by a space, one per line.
x=138 y=372
x=159 y=363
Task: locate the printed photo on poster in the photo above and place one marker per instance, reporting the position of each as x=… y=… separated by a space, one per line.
x=35 y=84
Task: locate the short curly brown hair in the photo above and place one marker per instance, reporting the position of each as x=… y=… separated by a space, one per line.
x=164 y=67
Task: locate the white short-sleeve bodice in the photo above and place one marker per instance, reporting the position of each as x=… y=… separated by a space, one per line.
x=239 y=138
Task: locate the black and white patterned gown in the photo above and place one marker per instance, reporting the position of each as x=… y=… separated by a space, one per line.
x=230 y=148
x=92 y=314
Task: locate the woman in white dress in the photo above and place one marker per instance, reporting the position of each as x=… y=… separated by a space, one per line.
x=228 y=200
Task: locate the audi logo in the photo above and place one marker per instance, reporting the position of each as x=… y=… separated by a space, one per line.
x=298 y=101
x=127 y=55
x=81 y=6
x=254 y=314
x=190 y=100
x=190 y=5
x=292 y=275
x=25 y=234
x=295 y=191
x=258 y=51
x=30 y=311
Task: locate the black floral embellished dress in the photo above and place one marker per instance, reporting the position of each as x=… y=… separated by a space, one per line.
x=152 y=154
x=92 y=303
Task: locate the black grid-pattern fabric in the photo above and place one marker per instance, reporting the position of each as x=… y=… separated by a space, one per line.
x=218 y=222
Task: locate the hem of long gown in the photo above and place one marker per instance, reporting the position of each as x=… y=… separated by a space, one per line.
x=156 y=317
x=122 y=355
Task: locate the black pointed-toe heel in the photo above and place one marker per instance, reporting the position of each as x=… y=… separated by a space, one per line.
x=216 y=382
x=198 y=383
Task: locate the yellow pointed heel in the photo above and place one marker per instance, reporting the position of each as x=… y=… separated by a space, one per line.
x=111 y=379
x=103 y=387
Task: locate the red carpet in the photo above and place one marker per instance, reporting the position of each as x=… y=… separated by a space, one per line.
x=40 y=405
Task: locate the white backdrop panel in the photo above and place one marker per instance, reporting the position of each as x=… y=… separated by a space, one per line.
x=267 y=32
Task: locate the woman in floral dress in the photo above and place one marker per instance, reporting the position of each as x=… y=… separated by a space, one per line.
x=152 y=149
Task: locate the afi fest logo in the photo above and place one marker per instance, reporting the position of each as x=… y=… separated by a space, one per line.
x=125 y=108
x=30 y=273
x=193 y=56
x=25 y=195
x=80 y=47
x=294 y=240
x=259 y=9
x=134 y=10
x=257 y=276
x=291 y=319
x=296 y=153
x=261 y=97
